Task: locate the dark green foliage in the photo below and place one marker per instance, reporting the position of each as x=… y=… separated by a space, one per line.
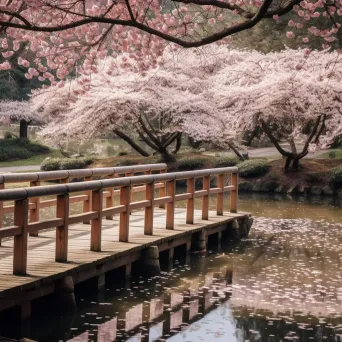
x=52 y=164
x=225 y=161
x=8 y=135
x=13 y=149
x=336 y=176
x=191 y=163
x=253 y=168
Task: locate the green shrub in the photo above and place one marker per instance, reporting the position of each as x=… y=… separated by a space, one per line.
x=253 y=168
x=52 y=164
x=225 y=161
x=13 y=149
x=191 y=163
x=336 y=176
x=8 y=135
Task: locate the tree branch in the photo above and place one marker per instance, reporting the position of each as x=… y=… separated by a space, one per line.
x=131 y=142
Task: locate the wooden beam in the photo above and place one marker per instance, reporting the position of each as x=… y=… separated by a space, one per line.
x=62 y=231
x=205 y=202
x=148 y=223
x=87 y=204
x=20 y=241
x=219 y=205
x=234 y=193
x=170 y=206
x=96 y=223
x=125 y=194
x=190 y=206
x=34 y=212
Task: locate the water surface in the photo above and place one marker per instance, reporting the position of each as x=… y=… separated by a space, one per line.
x=284 y=283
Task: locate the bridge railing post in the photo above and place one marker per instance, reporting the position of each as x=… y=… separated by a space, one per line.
x=148 y=225
x=34 y=212
x=110 y=200
x=190 y=206
x=234 y=193
x=96 y=223
x=20 y=241
x=62 y=232
x=87 y=204
x=220 y=195
x=205 y=201
x=162 y=191
x=125 y=199
x=170 y=206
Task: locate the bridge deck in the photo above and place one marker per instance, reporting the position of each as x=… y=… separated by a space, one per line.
x=42 y=267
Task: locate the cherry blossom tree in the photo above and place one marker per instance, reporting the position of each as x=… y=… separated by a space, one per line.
x=292 y=98
x=153 y=106
x=68 y=35
x=18 y=111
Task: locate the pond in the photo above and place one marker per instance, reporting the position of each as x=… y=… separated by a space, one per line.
x=283 y=283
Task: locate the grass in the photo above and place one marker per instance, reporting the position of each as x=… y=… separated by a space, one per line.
x=325 y=155
x=35 y=160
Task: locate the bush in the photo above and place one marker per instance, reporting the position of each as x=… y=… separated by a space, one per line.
x=8 y=135
x=225 y=161
x=53 y=164
x=191 y=163
x=253 y=168
x=13 y=149
x=336 y=176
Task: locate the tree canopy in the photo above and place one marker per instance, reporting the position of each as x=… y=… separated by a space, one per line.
x=64 y=35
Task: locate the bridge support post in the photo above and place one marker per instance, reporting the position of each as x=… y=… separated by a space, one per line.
x=65 y=296
x=149 y=261
x=199 y=241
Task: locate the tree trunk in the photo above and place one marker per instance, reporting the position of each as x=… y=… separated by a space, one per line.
x=166 y=157
x=23 y=129
x=131 y=142
x=178 y=144
x=292 y=162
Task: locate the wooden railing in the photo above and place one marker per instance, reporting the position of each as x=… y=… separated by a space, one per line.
x=21 y=197
x=64 y=176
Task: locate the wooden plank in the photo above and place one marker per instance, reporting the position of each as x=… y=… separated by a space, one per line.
x=77 y=218
x=20 y=241
x=62 y=230
x=51 y=223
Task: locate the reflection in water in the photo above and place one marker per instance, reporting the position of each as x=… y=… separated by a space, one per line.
x=282 y=284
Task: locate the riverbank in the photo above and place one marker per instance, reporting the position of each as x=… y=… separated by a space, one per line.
x=313 y=178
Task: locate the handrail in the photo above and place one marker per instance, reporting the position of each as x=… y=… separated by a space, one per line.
x=78 y=173
x=64 y=176
x=97 y=211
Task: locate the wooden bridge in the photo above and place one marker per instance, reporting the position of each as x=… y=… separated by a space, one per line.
x=113 y=230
